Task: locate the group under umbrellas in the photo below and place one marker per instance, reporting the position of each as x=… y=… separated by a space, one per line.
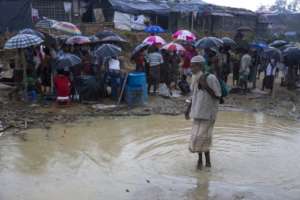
x=108 y=43
x=20 y=42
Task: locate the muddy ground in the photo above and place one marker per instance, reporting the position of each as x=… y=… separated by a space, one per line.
x=16 y=116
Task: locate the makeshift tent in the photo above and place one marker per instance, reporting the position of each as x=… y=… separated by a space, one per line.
x=124 y=21
x=15 y=15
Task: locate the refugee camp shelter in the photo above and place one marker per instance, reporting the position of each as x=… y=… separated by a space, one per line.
x=281 y=23
x=172 y=15
x=53 y=9
x=66 y=10
x=15 y=15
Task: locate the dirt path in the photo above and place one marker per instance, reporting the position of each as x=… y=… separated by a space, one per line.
x=17 y=116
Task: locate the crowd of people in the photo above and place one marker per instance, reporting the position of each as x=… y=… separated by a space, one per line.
x=172 y=68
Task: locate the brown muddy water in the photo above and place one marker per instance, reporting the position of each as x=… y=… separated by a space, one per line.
x=254 y=157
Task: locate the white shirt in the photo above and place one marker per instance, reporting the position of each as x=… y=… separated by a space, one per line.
x=114 y=64
x=270 y=70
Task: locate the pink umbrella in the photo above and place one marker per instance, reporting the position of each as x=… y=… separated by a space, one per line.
x=154 y=40
x=80 y=40
x=184 y=35
x=172 y=46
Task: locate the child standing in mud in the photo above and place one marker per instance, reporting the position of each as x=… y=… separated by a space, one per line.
x=203 y=109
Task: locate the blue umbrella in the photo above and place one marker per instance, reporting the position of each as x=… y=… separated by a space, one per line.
x=259 y=46
x=154 y=29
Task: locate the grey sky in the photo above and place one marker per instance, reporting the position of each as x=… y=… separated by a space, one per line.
x=249 y=4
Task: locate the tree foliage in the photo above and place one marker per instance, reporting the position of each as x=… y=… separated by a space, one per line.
x=281 y=6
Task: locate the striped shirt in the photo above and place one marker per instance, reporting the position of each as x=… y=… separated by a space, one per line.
x=155 y=59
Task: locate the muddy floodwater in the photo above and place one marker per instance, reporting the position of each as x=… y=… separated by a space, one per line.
x=140 y=158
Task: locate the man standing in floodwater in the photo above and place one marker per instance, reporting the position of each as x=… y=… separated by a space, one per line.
x=203 y=109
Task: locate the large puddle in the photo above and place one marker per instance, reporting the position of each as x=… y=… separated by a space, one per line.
x=254 y=157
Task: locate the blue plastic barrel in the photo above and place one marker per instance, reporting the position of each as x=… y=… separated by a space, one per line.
x=135 y=95
x=136 y=79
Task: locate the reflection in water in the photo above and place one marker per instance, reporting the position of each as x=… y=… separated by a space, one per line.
x=254 y=157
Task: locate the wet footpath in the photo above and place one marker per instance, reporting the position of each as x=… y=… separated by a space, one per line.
x=254 y=157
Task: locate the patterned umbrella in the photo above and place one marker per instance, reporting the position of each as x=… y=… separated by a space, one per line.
x=67 y=28
x=32 y=32
x=67 y=60
x=152 y=40
x=154 y=29
x=172 y=46
x=107 y=51
x=184 y=35
x=45 y=23
x=21 y=41
x=113 y=38
x=80 y=40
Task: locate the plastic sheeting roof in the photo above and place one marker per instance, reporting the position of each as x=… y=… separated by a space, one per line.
x=164 y=7
x=137 y=6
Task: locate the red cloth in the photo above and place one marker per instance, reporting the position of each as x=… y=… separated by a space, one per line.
x=139 y=59
x=187 y=57
x=62 y=86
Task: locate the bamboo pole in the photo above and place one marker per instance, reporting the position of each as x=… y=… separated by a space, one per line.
x=24 y=64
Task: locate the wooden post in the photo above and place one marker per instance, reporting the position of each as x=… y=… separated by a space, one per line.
x=192 y=26
x=24 y=64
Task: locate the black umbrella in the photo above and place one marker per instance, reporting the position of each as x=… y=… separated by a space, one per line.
x=292 y=55
x=228 y=42
x=278 y=43
x=67 y=60
x=104 y=34
x=273 y=53
x=139 y=48
x=282 y=48
x=94 y=39
x=209 y=42
x=107 y=51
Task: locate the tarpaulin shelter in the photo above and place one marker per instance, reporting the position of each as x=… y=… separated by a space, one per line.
x=15 y=15
x=194 y=15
